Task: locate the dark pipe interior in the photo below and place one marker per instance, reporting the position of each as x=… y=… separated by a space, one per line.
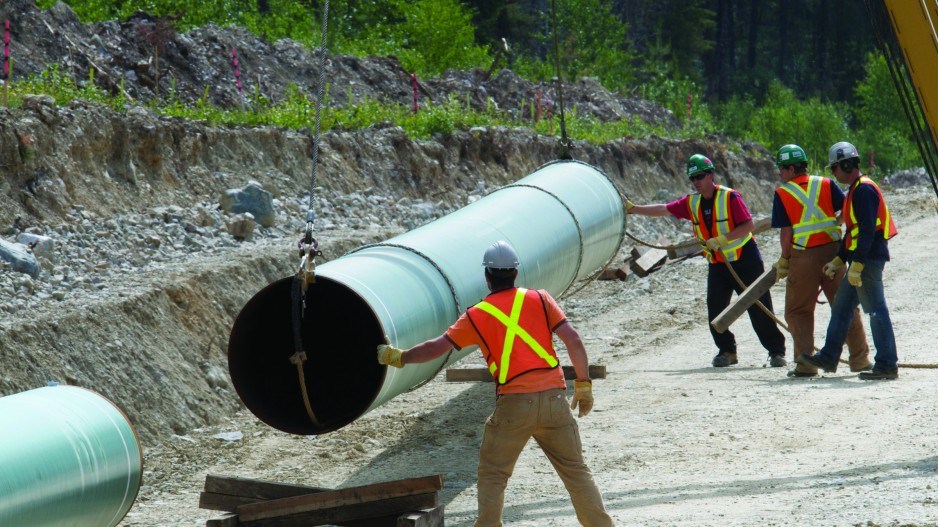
x=340 y=334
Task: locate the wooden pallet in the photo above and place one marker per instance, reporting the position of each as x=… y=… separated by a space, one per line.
x=252 y=503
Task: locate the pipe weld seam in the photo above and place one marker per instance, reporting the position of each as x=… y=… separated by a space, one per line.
x=576 y=222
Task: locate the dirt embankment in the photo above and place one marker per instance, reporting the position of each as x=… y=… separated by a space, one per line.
x=101 y=182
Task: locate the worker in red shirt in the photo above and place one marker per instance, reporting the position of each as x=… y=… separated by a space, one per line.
x=723 y=224
x=513 y=329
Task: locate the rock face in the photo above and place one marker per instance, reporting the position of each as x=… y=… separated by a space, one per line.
x=196 y=65
x=140 y=298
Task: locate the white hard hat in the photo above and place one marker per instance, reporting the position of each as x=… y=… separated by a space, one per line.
x=841 y=151
x=500 y=255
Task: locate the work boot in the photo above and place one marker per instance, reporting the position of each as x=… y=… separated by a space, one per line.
x=777 y=361
x=879 y=375
x=724 y=359
x=818 y=362
x=801 y=374
x=868 y=367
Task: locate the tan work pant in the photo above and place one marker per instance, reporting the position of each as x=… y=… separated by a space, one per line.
x=545 y=416
x=805 y=276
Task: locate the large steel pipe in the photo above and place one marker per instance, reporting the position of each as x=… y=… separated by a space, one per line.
x=566 y=220
x=68 y=458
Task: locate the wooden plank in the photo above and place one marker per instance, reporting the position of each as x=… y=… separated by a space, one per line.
x=252 y=488
x=760 y=226
x=652 y=258
x=389 y=520
x=615 y=273
x=341 y=515
x=228 y=520
x=340 y=498
x=691 y=247
x=425 y=518
x=747 y=298
x=596 y=371
x=223 y=502
x=684 y=249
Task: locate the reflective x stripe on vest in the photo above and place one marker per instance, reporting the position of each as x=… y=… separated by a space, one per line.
x=514 y=331
x=813 y=220
x=884 y=220
x=723 y=224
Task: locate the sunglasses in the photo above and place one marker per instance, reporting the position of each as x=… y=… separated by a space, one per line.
x=697 y=177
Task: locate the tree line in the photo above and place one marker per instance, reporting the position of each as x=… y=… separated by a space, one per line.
x=772 y=71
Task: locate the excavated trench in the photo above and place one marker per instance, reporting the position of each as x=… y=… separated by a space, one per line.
x=154 y=340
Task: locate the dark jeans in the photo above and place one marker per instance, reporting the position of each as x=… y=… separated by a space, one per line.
x=872 y=298
x=720 y=287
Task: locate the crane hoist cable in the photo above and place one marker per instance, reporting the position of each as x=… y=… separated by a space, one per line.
x=308 y=246
x=564 y=140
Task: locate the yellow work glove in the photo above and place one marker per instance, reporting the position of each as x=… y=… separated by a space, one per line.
x=389 y=356
x=831 y=267
x=853 y=274
x=629 y=205
x=582 y=397
x=716 y=242
x=781 y=268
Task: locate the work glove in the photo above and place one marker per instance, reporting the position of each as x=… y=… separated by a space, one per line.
x=389 y=356
x=629 y=205
x=716 y=242
x=830 y=268
x=781 y=268
x=582 y=397
x=853 y=274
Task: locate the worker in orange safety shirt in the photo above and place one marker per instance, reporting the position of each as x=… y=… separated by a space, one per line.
x=806 y=209
x=513 y=329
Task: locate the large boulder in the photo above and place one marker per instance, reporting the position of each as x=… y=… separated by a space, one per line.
x=19 y=256
x=252 y=199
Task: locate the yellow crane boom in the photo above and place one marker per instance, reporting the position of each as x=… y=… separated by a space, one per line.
x=906 y=30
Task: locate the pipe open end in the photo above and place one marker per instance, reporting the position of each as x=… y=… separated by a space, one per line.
x=339 y=335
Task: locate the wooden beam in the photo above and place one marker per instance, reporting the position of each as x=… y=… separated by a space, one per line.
x=651 y=259
x=615 y=273
x=223 y=502
x=747 y=298
x=425 y=518
x=691 y=247
x=228 y=520
x=341 y=498
x=344 y=514
x=686 y=248
x=596 y=371
x=253 y=488
x=760 y=226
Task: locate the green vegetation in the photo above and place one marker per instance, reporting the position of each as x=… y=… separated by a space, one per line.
x=719 y=67
x=297 y=111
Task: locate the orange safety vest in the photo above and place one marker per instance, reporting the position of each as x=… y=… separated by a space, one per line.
x=883 y=217
x=723 y=223
x=513 y=327
x=809 y=206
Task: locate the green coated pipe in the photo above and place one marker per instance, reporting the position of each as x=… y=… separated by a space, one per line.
x=566 y=220
x=68 y=458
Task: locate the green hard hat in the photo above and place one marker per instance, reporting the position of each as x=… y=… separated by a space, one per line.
x=790 y=155
x=698 y=163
